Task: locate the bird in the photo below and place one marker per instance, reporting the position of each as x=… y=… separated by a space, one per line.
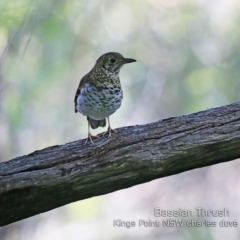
x=99 y=93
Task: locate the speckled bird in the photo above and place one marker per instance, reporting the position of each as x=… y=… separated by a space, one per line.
x=99 y=93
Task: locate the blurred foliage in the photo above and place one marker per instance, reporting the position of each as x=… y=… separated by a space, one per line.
x=187 y=51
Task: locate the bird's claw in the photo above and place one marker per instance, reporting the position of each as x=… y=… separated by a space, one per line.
x=110 y=131
x=90 y=138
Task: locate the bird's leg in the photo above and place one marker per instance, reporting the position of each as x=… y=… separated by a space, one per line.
x=110 y=130
x=90 y=137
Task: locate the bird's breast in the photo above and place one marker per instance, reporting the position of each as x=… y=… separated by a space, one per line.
x=99 y=102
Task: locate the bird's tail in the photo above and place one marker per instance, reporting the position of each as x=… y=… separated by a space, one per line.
x=96 y=123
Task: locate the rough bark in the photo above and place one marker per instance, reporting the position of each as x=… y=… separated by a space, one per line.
x=58 y=175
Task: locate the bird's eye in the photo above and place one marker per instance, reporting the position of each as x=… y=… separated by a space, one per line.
x=112 y=60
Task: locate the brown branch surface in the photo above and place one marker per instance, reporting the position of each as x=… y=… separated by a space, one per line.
x=58 y=175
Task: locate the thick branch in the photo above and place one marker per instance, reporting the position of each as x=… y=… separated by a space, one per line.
x=59 y=175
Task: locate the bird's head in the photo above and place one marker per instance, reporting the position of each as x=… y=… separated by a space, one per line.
x=112 y=62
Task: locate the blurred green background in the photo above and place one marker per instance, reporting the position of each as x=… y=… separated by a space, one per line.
x=188 y=58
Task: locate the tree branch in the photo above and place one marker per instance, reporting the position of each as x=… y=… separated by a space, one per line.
x=58 y=175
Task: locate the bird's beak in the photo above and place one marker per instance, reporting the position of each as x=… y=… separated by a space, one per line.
x=129 y=60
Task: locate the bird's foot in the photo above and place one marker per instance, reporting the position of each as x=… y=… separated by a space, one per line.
x=110 y=131
x=90 y=138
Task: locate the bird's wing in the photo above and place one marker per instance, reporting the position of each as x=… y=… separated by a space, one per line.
x=78 y=92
